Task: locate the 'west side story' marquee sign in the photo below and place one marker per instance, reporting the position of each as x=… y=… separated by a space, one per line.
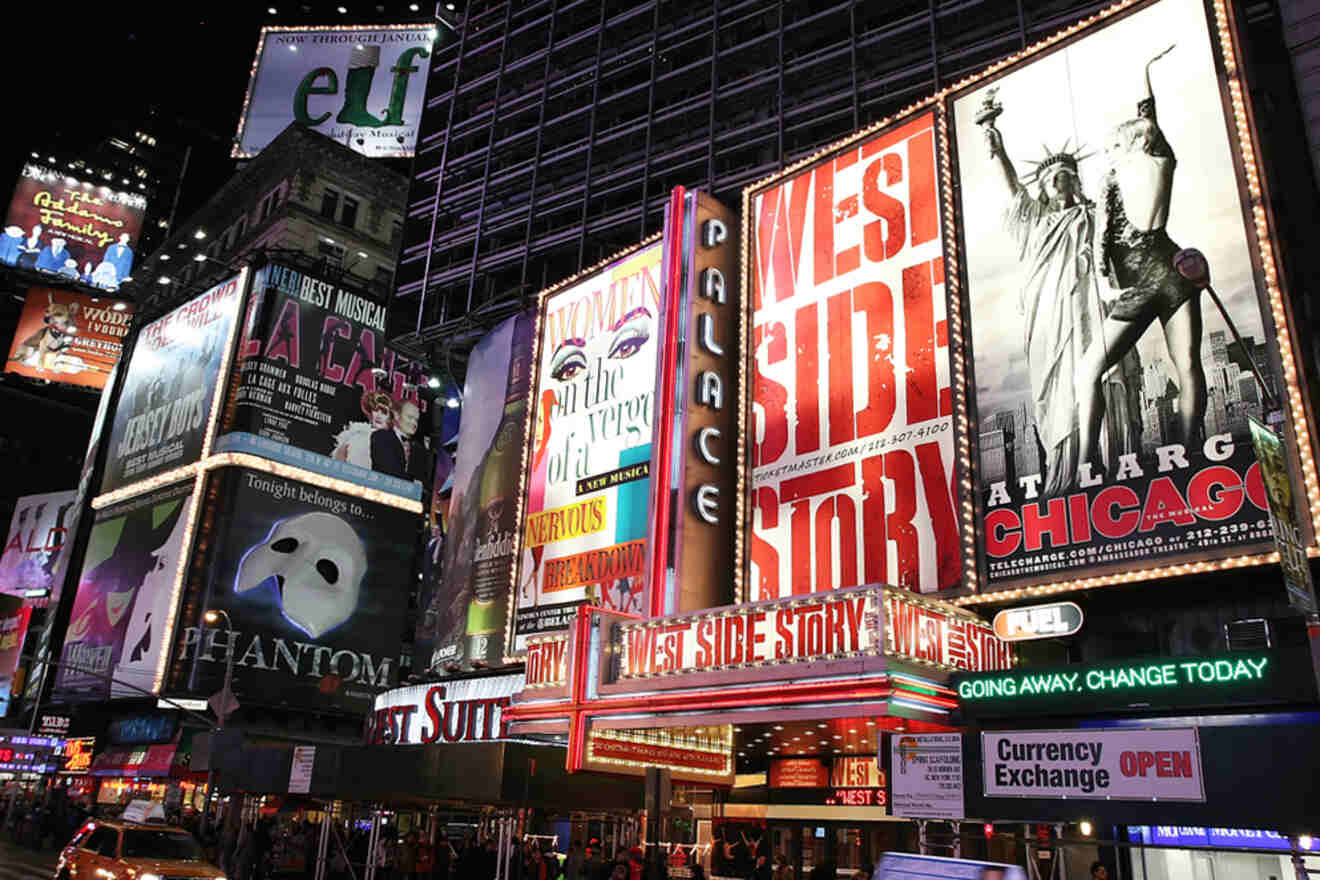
x=821 y=627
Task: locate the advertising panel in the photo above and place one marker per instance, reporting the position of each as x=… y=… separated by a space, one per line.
x=319 y=389
x=586 y=525
x=926 y=775
x=1272 y=457
x=164 y=407
x=468 y=710
x=124 y=596
x=799 y=773
x=852 y=441
x=67 y=337
x=33 y=555
x=14 y=617
x=314 y=583
x=1191 y=835
x=465 y=599
x=1128 y=765
x=1113 y=384
x=360 y=86
x=76 y=229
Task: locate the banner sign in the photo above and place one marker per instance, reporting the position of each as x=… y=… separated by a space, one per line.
x=1232 y=838
x=33 y=559
x=615 y=751
x=14 y=617
x=546 y=662
x=77 y=229
x=300 y=770
x=78 y=755
x=588 y=490
x=1052 y=621
x=1255 y=678
x=941 y=635
x=852 y=444
x=66 y=337
x=164 y=408
x=1273 y=461
x=319 y=389
x=926 y=775
x=1113 y=395
x=360 y=86
x=1132 y=765
x=851 y=772
x=799 y=773
x=465 y=599
x=467 y=710
x=312 y=581
x=117 y=628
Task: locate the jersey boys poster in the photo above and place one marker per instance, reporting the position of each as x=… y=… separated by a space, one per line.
x=586 y=524
x=66 y=337
x=33 y=558
x=315 y=586
x=465 y=597
x=852 y=452
x=165 y=404
x=1113 y=397
x=118 y=623
x=320 y=390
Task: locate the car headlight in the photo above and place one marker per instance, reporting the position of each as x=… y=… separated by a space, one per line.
x=149 y=877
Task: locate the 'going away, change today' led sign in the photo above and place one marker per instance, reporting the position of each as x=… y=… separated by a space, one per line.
x=1138 y=684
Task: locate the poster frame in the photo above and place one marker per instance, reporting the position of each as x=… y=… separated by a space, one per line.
x=512 y=656
x=1271 y=296
x=958 y=377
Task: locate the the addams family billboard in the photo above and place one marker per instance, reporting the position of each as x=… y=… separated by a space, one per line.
x=76 y=229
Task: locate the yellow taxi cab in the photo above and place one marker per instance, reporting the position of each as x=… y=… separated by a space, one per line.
x=141 y=847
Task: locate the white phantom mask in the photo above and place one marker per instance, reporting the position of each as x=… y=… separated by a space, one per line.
x=319 y=562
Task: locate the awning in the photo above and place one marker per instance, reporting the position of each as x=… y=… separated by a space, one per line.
x=135 y=761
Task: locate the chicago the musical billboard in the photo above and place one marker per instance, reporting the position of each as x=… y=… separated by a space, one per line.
x=1116 y=369
x=851 y=424
x=586 y=506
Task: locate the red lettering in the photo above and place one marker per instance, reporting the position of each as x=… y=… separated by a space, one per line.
x=824 y=222
x=1102 y=511
x=839 y=331
x=806 y=434
x=923 y=392
x=898 y=467
x=923 y=199
x=1054 y=523
x=769 y=395
x=838 y=507
x=764 y=555
x=883 y=237
x=876 y=302
x=1164 y=503
x=939 y=504
x=1215 y=492
x=1003 y=532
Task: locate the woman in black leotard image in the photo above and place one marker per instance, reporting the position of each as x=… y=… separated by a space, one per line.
x=1134 y=255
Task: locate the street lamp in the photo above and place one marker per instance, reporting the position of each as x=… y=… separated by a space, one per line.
x=212 y=616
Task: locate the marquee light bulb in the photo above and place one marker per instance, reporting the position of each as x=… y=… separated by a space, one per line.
x=1085 y=828
x=1305 y=841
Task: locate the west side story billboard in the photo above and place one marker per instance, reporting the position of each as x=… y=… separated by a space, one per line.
x=586 y=505
x=1112 y=397
x=164 y=407
x=319 y=389
x=361 y=86
x=852 y=428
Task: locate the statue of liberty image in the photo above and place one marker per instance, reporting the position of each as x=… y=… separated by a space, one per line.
x=1054 y=231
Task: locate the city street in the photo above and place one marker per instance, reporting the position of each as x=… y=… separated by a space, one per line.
x=20 y=863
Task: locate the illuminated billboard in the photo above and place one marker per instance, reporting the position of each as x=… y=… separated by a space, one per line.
x=1125 y=320
x=319 y=389
x=586 y=513
x=361 y=86
x=164 y=408
x=67 y=337
x=80 y=230
x=33 y=560
x=851 y=423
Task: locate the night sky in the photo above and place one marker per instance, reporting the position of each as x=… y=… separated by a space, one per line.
x=75 y=69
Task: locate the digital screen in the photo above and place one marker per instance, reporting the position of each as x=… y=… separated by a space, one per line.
x=857 y=797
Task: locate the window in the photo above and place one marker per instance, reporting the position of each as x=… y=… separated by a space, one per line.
x=333 y=253
x=104 y=841
x=267 y=206
x=329 y=203
x=349 y=217
x=171 y=845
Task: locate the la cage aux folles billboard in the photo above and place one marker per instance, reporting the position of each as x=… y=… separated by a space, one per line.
x=852 y=452
x=165 y=404
x=319 y=389
x=67 y=337
x=586 y=506
x=76 y=229
x=1113 y=389
x=314 y=583
x=361 y=86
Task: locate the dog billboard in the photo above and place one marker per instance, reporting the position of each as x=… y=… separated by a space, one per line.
x=66 y=337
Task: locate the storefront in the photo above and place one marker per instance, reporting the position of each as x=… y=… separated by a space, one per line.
x=160 y=772
x=1170 y=852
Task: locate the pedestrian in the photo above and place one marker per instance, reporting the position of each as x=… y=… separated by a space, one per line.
x=407 y=857
x=385 y=854
x=1099 y=871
